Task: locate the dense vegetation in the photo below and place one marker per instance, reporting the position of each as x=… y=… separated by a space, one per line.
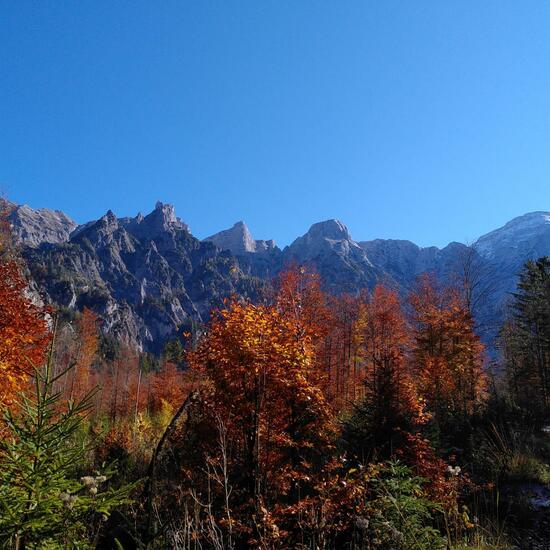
x=304 y=421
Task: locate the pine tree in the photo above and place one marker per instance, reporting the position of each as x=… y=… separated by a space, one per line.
x=44 y=503
x=526 y=337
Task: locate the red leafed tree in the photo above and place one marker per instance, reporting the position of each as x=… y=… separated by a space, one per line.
x=24 y=335
x=385 y=338
x=448 y=355
x=83 y=377
x=167 y=387
x=341 y=356
x=124 y=370
x=329 y=322
x=390 y=406
x=259 y=362
x=300 y=297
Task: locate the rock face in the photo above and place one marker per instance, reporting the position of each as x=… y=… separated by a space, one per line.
x=257 y=258
x=506 y=249
x=148 y=276
x=239 y=241
x=404 y=261
x=33 y=227
x=342 y=264
x=520 y=238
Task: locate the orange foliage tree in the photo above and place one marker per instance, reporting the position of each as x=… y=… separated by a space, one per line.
x=168 y=387
x=299 y=297
x=259 y=361
x=448 y=355
x=83 y=376
x=391 y=402
x=24 y=335
x=329 y=321
x=342 y=361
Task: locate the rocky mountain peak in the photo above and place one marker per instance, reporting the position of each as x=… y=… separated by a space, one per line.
x=329 y=248
x=167 y=212
x=521 y=233
x=162 y=219
x=99 y=233
x=109 y=218
x=33 y=227
x=239 y=240
x=329 y=229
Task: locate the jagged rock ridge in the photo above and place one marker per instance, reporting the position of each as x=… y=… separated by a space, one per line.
x=342 y=264
x=148 y=276
x=33 y=227
x=239 y=240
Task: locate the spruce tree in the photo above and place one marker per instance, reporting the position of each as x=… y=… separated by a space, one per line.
x=44 y=502
x=528 y=337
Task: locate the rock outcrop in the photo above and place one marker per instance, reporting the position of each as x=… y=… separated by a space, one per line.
x=33 y=227
x=148 y=277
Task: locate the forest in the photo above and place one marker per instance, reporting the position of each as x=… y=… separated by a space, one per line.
x=302 y=421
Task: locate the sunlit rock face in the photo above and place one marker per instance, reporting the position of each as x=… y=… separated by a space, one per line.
x=342 y=264
x=32 y=227
x=239 y=240
x=147 y=276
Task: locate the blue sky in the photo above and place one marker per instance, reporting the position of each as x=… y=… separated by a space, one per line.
x=424 y=120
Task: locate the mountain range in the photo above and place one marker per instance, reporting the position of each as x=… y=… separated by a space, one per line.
x=148 y=277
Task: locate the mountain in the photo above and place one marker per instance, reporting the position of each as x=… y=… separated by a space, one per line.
x=403 y=261
x=257 y=258
x=342 y=264
x=523 y=237
x=148 y=276
x=239 y=240
x=507 y=248
x=33 y=227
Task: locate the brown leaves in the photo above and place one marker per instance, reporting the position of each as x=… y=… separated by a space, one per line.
x=24 y=336
x=260 y=361
x=448 y=355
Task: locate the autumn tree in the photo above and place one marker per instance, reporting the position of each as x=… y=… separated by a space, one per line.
x=341 y=352
x=24 y=335
x=447 y=354
x=259 y=361
x=82 y=376
x=299 y=296
x=391 y=405
x=329 y=323
x=167 y=387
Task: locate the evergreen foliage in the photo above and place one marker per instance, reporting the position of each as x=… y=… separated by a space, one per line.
x=526 y=339
x=44 y=502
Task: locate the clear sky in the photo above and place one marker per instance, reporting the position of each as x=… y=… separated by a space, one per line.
x=426 y=120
